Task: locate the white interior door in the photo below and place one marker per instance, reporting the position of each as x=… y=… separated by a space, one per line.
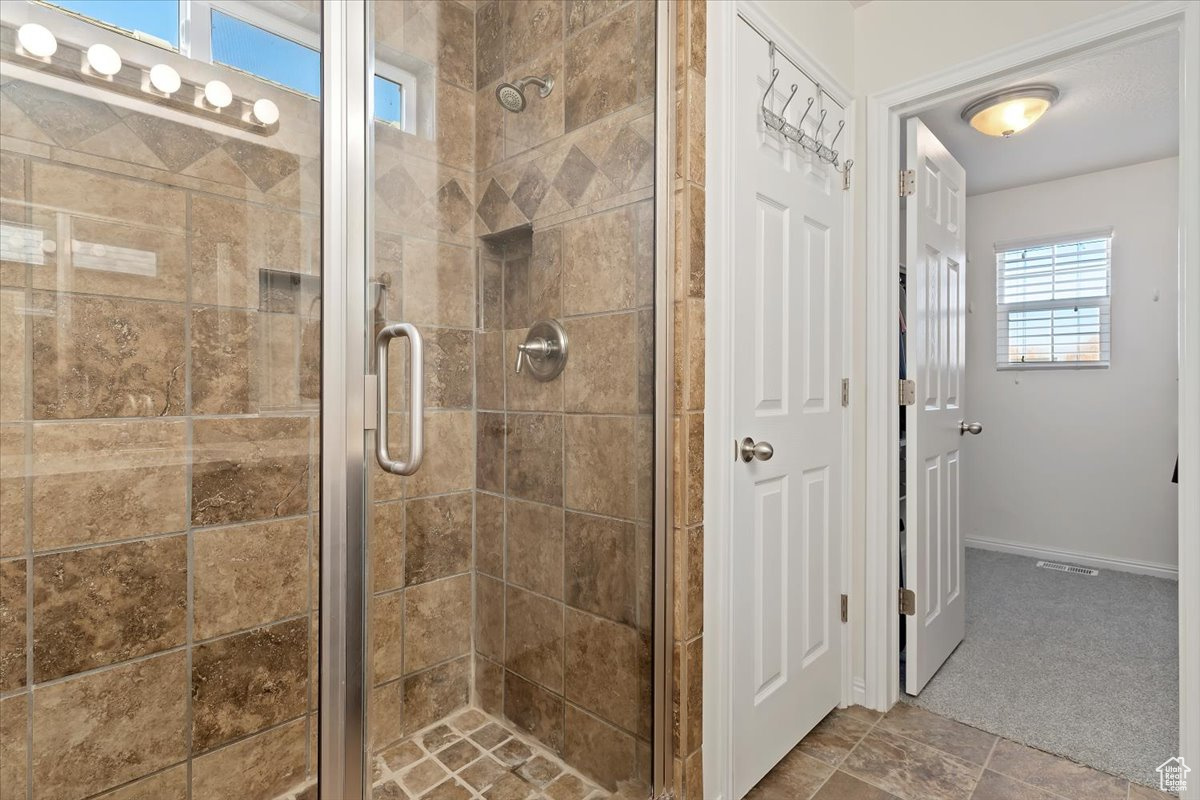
x=785 y=549
x=936 y=261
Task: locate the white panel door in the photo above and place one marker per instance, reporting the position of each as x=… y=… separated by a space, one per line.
x=785 y=549
x=936 y=261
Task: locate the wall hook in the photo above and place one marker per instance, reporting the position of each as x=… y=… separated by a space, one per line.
x=807 y=108
x=783 y=110
x=821 y=122
x=767 y=93
x=841 y=125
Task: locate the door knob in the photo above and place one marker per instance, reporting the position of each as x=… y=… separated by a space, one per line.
x=750 y=451
x=969 y=427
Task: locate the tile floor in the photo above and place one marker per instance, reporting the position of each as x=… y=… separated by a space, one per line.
x=473 y=755
x=912 y=754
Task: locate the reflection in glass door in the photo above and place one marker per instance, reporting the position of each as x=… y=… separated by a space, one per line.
x=160 y=361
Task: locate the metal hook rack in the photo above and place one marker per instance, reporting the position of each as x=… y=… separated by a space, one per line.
x=795 y=133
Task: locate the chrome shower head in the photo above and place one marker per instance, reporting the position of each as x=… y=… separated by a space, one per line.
x=512 y=95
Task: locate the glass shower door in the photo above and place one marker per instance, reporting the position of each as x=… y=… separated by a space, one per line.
x=160 y=361
x=510 y=201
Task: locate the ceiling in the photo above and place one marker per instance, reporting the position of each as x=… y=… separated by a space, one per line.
x=1117 y=107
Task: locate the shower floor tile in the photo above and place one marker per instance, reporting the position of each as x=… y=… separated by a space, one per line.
x=472 y=755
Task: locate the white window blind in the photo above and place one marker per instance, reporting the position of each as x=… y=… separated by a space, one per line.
x=1052 y=302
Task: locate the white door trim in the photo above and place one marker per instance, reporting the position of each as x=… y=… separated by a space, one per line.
x=720 y=269
x=883 y=112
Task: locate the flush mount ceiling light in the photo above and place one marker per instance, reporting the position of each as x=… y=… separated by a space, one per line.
x=1010 y=111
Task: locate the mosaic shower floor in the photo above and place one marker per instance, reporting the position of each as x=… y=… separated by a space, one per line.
x=472 y=756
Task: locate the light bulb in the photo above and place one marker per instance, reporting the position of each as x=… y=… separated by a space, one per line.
x=266 y=111
x=103 y=59
x=36 y=40
x=218 y=94
x=164 y=78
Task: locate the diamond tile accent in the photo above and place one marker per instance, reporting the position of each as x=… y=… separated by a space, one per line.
x=574 y=176
x=176 y=145
x=531 y=189
x=452 y=207
x=492 y=205
x=67 y=118
x=399 y=190
x=626 y=157
x=266 y=166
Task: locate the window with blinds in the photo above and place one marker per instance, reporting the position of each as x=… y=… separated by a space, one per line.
x=1052 y=302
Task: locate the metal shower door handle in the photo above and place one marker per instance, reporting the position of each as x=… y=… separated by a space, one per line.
x=416 y=410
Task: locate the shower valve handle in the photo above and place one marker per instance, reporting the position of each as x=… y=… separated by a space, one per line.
x=534 y=348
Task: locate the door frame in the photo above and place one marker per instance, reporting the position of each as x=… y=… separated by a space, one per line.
x=880 y=633
x=345 y=62
x=720 y=273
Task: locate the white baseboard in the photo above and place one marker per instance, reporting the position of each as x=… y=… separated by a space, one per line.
x=858 y=690
x=1083 y=559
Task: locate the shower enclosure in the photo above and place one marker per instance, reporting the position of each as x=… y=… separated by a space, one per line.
x=333 y=344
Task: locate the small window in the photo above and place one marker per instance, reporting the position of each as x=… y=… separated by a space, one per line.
x=251 y=49
x=159 y=18
x=389 y=101
x=1052 y=302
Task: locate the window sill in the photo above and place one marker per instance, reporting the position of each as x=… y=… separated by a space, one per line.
x=1053 y=365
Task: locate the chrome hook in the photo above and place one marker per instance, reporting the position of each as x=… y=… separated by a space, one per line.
x=807 y=108
x=821 y=122
x=841 y=125
x=767 y=93
x=783 y=110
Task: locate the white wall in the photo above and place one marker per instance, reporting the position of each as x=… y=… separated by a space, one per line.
x=899 y=41
x=1080 y=460
x=824 y=28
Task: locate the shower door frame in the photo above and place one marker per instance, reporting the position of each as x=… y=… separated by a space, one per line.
x=346 y=76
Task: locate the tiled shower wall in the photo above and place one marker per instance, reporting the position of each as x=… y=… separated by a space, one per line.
x=159 y=358
x=688 y=369
x=564 y=470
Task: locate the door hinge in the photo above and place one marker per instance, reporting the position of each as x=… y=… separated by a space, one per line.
x=908 y=182
x=845 y=392
x=908 y=392
x=845 y=608
x=908 y=602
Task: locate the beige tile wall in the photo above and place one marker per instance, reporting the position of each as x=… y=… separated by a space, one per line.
x=564 y=476
x=157 y=449
x=688 y=369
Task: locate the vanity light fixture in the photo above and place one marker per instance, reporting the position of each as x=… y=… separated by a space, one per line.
x=164 y=78
x=161 y=81
x=1010 y=111
x=103 y=60
x=36 y=40
x=265 y=111
x=218 y=94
